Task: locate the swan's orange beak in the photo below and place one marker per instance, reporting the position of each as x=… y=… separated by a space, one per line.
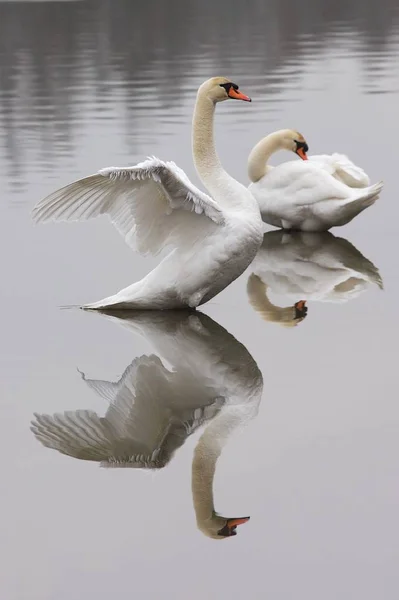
x=231 y=525
x=234 y=522
x=302 y=154
x=237 y=95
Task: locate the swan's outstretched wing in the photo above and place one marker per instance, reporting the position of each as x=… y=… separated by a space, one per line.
x=152 y=204
x=343 y=169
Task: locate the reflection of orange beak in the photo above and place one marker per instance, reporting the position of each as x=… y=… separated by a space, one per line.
x=301 y=152
x=237 y=95
x=302 y=303
x=235 y=522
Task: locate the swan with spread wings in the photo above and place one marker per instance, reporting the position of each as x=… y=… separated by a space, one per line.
x=154 y=205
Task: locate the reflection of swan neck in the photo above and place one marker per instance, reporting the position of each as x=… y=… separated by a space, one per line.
x=260 y=154
x=206 y=454
x=258 y=299
x=205 y=157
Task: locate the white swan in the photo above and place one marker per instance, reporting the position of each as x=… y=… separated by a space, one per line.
x=211 y=378
x=308 y=195
x=314 y=266
x=154 y=205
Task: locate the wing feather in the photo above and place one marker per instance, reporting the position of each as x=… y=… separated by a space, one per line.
x=295 y=184
x=152 y=204
x=343 y=169
x=80 y=434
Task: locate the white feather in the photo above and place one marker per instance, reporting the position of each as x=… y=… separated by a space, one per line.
x=309 y=195
x=342 y=168
x=154 y=205
x=301 y=195
x=151 y=204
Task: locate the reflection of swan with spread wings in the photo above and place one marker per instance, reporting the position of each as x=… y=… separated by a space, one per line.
x=210 y=379
x=314 y=266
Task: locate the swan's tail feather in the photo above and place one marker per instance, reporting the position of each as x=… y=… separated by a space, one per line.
x=111 y=307
x=373 y=191
x=70 y=306
x=111 y=303
x=94 y=307
x=367 y=197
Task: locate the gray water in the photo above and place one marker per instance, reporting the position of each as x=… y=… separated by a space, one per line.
x=85 y=85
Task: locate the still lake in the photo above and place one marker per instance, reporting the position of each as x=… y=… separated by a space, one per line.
x=84 y=85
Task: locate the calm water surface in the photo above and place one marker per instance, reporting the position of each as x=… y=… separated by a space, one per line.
x=85 y=85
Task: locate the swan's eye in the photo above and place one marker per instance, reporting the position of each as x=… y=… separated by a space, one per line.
x=302 y=145
x=226 y=86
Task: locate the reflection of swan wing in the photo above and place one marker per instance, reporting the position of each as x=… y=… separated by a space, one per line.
x=133 y=407
x=152 y=204
x=342 y=168
x=143 y=425
x=153 y=409
x=81 y=434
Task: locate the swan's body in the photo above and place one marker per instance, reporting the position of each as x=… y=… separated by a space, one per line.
x=312 y=266
x=309 y=195
x=153 y=408
x=154 y=205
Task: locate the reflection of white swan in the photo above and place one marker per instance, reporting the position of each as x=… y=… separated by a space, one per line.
x=308 y=195
x=154 y=205
x=153 y=408
x=313 y=266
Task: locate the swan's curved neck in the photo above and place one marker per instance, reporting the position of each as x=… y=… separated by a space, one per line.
x=260 y=154
x=205 y=156
x=206 y=454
